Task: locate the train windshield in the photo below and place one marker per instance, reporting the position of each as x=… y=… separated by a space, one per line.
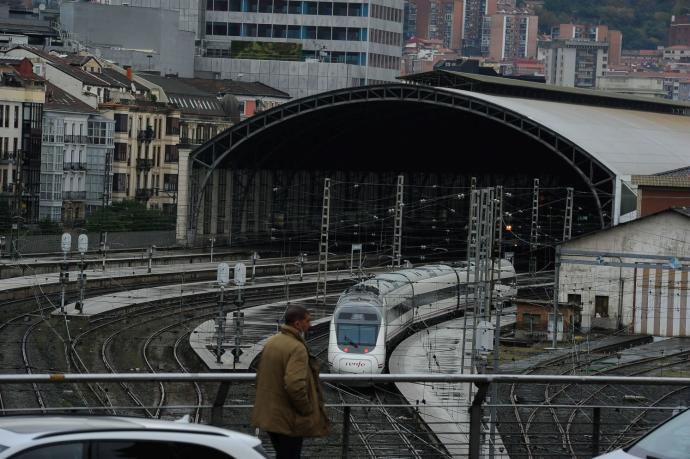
x=357 y=327
x=356 y=335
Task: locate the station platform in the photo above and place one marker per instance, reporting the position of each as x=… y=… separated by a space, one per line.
x=260 y=323
x=443 y=406
x=15 y=287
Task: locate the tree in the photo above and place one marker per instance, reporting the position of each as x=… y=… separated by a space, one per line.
x=129 y=216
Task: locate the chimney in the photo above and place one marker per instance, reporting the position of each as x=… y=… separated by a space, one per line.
x=130 y=73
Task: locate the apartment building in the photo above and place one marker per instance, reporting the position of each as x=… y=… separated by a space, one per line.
x=575 y=63
x=512 y=35
x=145 y=160
x=679 y=32
x=588 y=32
x=77 y=153
x=22 y=95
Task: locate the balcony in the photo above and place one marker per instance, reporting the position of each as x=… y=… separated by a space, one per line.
x=191 y=141
x=74 y=166
x=144 y=194
x=144 y=164
x=8 y=157
x=145 y=135
x=79 y=139
x=74 y=195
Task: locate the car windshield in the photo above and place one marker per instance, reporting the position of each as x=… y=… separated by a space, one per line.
x=670 y=441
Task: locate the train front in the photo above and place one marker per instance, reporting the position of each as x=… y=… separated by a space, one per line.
x=357 y=342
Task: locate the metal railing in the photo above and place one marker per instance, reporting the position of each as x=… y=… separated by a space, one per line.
x=81 y=139
x=469 y=433
x=75 y=166
x=74 y=195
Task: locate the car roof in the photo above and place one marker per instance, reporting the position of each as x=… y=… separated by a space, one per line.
x=46 y=426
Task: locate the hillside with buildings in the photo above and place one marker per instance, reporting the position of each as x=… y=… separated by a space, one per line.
x=644 y=23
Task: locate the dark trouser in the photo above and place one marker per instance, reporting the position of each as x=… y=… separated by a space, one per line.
x=286 y=447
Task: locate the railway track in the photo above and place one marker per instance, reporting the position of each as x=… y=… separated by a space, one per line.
x=560 y=426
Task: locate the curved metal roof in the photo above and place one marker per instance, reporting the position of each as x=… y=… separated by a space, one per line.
x=626 y=141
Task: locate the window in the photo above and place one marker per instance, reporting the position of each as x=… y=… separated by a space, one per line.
x=220 y=28
x=326 y=8
x=54 y=451
x=339 y=33
x=234 y=29
x=172 y=126
x=265 y=6
x=171 y=154
x=235 y=5
x=310 y=8
x=323 y=33
x=249 y=30
x=601 y=306
x=120 y=152
x=7 y=116
x=295 y=7
x=280 y=6
x=294 y=31
x=170 y=182
x=575 y=299
x=340 y=9
x=145 y=449
x=279 y=31
x=264 y=30
x=309 y=32
x=121 y=123
x=355 y=9
x=531 y=320
x=2 y=116
x=16 y=116
x=220 y=5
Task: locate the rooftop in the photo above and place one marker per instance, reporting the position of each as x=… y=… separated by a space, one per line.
x=59 y=100
x=501 y=86
x=73 y=70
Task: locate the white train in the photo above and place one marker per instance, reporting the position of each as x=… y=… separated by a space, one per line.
x=376 y=312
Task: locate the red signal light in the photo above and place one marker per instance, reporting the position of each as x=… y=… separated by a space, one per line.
x=346 y=349
x=366 y=349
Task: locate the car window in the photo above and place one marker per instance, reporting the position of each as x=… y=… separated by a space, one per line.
x=145 y=449
x=73 y=450
x=669 y=441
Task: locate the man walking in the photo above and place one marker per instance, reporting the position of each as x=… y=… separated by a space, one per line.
x=289 y=400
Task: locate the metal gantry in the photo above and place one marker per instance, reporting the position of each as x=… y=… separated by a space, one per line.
x=397 y=228
x=568 y=219
x=322 y=276
x=534 y=228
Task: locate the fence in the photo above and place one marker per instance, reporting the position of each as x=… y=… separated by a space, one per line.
x=471 y=435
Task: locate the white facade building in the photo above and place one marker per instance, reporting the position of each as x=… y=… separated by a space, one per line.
x=575 y=63
x=649 y=296
x=76 y=158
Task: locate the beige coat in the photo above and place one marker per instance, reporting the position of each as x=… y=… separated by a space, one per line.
x=289 y=400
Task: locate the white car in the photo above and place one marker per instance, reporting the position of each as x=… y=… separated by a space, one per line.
x=670 y=440
x=96 y=437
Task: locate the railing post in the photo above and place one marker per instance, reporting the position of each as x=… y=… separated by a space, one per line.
x=596 y=430
x=346 y=432
x=217 y=410
x=476 y=419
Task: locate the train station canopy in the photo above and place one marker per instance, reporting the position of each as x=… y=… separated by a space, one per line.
x=627 y=134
